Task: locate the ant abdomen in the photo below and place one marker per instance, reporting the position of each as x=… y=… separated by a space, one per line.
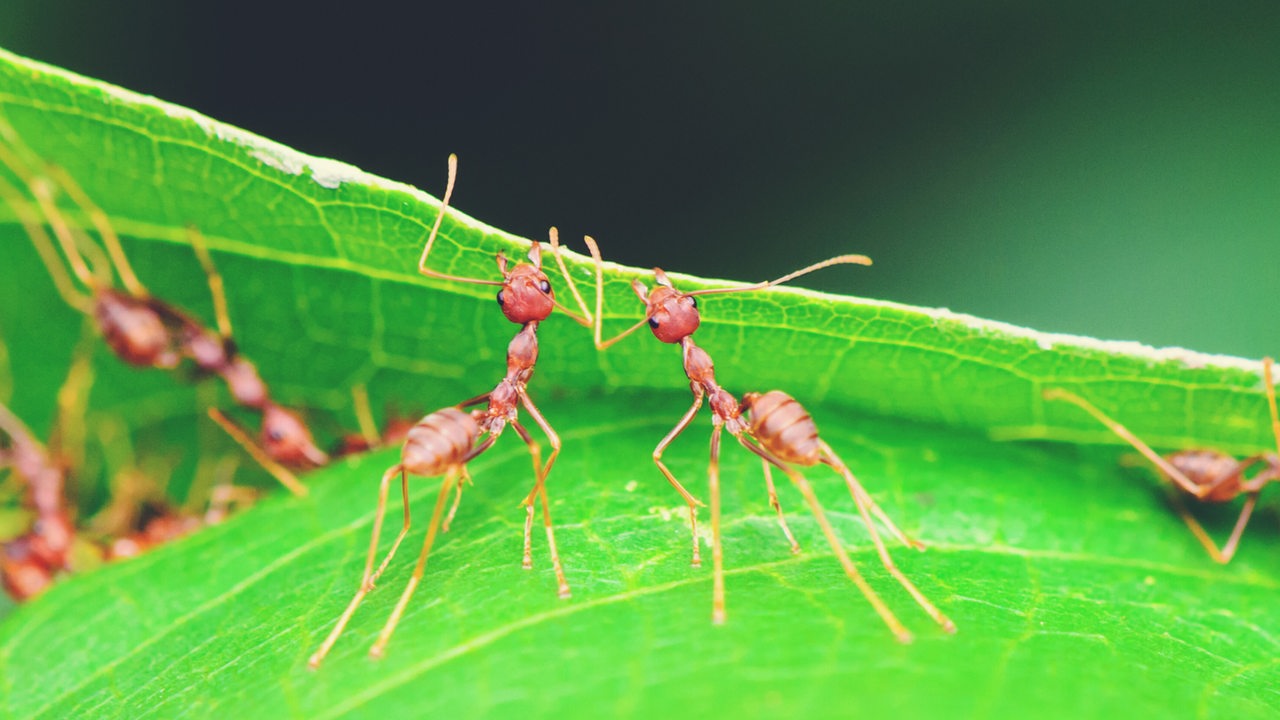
x=439 y=441
x=134 y=330
x=783 y=427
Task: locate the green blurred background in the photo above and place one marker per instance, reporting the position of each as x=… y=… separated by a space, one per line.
x=1074 y=167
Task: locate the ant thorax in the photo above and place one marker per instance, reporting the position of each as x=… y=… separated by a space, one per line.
x=526 y=295
x=522 y=353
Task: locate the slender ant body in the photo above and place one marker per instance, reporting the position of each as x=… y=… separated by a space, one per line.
x=143 y=330
x=443 y=442
x=771 y=425
x=1204 y=475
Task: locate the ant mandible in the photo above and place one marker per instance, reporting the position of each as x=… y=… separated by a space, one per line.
x=1207 y=476
x=141 y=329
x=443 y=442
x=772 y=425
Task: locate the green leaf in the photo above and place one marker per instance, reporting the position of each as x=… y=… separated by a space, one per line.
x=1075 y=588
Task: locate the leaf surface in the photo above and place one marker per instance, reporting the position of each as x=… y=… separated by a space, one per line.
x=1074 y=585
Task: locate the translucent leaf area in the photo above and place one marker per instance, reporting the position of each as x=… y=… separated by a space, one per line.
x=1077 y=590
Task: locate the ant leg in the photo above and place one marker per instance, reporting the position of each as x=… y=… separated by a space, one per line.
x=44 y=247
x=1164 y=465
x=457 y=500
x=103 y=226
x=216 y=288
x=73 y=402
x=474 y=401
x=863 y=500
x=535 y=453
x=718 y=614
x=552 y=438
x=379 y=647
x=540 y=487
x=777 y=506
x=225 y=492
x=563 y=589
x=657 y=458
x=1228 y=551
x=862 y=497
x=364 y=417
x=91 y=279
x=369 y=577
x=280 y=472
x=850 y=569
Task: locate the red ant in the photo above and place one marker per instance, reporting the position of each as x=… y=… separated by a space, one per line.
x=32 y=560
x=1207 y=476
x=771 y=425
x=143 y=330
x=141 y=517
x=443 y=442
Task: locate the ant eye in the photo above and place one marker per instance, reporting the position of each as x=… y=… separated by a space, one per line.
x=653 y=322
x=274 y=435
x=500 y=300
x=544 y=286
x=694 y=300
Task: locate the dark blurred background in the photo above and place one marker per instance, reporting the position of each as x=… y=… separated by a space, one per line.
x=1074 y=167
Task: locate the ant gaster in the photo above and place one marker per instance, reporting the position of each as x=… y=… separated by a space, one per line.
x=443 y=442
x=1207 y=476
x=138 y=327
x=771 y=425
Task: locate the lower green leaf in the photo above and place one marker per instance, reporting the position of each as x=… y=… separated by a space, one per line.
x=1076 y=591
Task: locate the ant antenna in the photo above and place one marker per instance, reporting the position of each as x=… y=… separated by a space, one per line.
x=216 y=287
x=599 y=319
x=838 y=260
x=100 y=222
x=435 y=229
x=585 y=320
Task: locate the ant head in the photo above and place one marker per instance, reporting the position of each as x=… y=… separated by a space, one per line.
x=526 y=294
x=673 y=315
x=287 y=440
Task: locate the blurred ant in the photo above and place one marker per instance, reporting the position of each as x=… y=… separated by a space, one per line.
x=1207 y=476
x=772 y=425
x=30 y=562
x=141 y=516
x=443 y=442
x=140 y=329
